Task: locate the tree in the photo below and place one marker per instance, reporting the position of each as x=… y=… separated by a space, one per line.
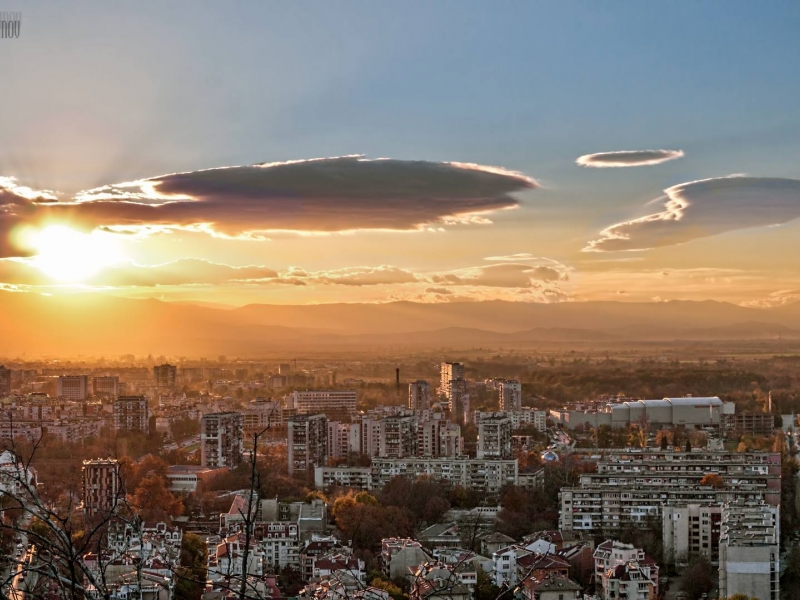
x=713 y=480
x=697 y=579
x=688 y=444
x=154 y=502
x=192 y=571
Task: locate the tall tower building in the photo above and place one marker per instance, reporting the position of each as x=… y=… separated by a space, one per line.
x=450 y=371
x=221 y=439
x=494 y=438
x=73 y=387
x=510 y=395
x=307 y=442
x=419 y=395
x=165 y=375
x=101 y=486
x=5 y=381
x=131 y=414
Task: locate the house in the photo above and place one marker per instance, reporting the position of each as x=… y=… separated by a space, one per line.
x=551 y=587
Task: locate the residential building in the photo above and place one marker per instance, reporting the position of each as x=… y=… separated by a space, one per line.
x=307 y=442
x=106 y=385
x=164 y=375
x=131 y=414
x=690 y=531
x=749 y=423
x=279 y=543
x=519 y=418
x=551 y=587
x=419 y=395
x=398 y=437
x=221 y=439
x=226 y=559
x=334 y=404
x=439 y=438
x=101 y=486
x=612 y=553
x=475 y=474
x=749 y=551
x=510 y=395
x=187 y=478
x=344 y=439
x=630 y=487
x=5 y=382
x=631 y=581
x=494 y=438
x=401 y=556
x=352 y=477
x=73 y=387
x=453 y=387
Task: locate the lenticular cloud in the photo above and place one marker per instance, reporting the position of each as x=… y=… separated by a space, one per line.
x=628 y=158
x=704 y=208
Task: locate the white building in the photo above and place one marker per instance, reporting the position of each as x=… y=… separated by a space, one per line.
x=328 y=402
x=749 y=551
x=73 y=387
x=691 y=530
x=494 y=438
x=307 y=442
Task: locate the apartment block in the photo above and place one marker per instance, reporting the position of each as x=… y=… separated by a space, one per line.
x=101 y=485
x=749 y=551
x=690 y=531
x=398 y=437
x=131 y=414
x=221 y=439
x=307 y=442
x=519 y=418
x=510 y=395
x=632 y=487
x=5 y=382
x=73 y=387
x=334 y=404
x=474 y=474
x=165 y=375
x=106 y=385
x=419 y=395
x=494 y=438
x=439 y=438
x=344 y=439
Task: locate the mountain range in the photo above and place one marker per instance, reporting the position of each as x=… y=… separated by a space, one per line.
x=100 y=325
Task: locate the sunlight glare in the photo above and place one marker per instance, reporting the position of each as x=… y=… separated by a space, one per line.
x=69 y=256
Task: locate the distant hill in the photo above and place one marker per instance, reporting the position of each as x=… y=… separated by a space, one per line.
x=93 y=324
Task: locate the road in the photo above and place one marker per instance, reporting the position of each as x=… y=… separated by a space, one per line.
x=15 y=592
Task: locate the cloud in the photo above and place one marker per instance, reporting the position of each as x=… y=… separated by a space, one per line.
x=360 y=276
x=315 y=196
x=438 y=290
x=705 y=208
x=506 y=275
x=512 y=257
x=628 y=158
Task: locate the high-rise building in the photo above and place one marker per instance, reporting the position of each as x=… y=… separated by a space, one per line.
x=334 y=404
x=749 y=551
x=101 y=486
x=221 y=439
x=131 y=414
x=419 y=395
x=306 y=442
x=459 y=401
x=165 y=375
x=450 y=371
x=107 y=385
x=344 y=439
x=510 y=395
x=494 y=438
x=5 y=381
x=398 y=437
x=73 y=387
x=689 y=531
x=439 y=438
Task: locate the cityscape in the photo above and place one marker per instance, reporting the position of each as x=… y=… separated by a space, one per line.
x=383 y=300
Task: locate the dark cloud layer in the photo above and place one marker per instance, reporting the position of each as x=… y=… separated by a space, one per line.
x=704 y=208
x=323 y=195
x=628 y=158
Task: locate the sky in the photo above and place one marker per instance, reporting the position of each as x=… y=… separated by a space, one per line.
x=312 y=152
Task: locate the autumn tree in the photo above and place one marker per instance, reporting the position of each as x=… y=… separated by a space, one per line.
x=154 y=501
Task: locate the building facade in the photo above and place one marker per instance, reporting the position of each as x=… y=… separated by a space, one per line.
x=221 y=439
x=307 y=442
x=510 y=395
x=131 y=414
x=101 y=486
x=165 y=375
x=419 y=395
x=334 y=404
x=494 y=438
x=73 y=387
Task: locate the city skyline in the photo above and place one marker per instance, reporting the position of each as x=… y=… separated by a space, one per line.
x=542 y=152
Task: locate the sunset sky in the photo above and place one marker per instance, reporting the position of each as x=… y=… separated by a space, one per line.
x=298 y=152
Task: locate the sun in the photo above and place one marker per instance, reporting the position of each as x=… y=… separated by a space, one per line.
x=69 y=256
